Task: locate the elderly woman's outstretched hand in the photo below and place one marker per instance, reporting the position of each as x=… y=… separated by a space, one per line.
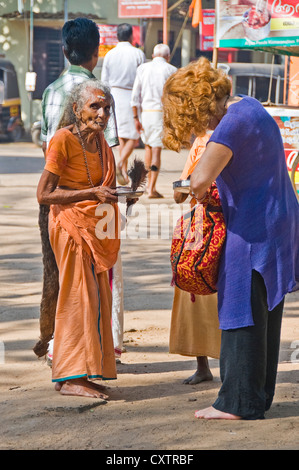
x=105 y=194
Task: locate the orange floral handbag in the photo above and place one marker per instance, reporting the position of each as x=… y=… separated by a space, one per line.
x=196 y=246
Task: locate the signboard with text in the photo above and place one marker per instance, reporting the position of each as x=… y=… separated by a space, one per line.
x=287 y=120
x=257 y=23
x=206 y=30
x=140 y=8
x=293 y=83
x=108 y=37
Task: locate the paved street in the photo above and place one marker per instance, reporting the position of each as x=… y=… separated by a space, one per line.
x=150 y=407
x=20 y=168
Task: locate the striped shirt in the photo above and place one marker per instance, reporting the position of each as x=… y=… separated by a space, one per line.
x=53 y=102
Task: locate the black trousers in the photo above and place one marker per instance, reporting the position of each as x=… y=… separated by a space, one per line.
x=249 y=359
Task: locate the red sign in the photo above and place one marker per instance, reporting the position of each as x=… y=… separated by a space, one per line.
x=108 y=37
x=287 y=120
x=206 y=30
x=283 y=8
x=108 y=34
x=140 y=8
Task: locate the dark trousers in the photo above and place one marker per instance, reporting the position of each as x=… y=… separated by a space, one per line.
x=249 y=359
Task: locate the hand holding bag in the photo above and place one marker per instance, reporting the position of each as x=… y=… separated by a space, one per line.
x=196 y=246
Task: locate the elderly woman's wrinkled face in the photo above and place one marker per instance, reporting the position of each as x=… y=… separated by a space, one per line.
x=95 y=112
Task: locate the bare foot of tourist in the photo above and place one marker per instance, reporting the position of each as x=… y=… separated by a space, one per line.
x=212 y=413
x=198 y=376
x=82 y=388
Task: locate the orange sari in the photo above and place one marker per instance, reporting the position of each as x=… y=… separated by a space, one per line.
x=83 y=344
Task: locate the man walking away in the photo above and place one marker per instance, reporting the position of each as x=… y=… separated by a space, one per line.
x=146 y=103
x=119 y=71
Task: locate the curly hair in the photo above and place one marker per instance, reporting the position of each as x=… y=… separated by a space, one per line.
x=79 y=94
x=189 y=100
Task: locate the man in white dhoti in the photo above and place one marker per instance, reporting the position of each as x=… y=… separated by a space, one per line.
x=146 y=104
x=119 y=71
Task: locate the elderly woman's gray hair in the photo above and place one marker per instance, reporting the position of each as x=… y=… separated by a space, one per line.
x=79 y=94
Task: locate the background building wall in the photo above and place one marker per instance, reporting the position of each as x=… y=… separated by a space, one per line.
x=50 y=16
x=15 y=35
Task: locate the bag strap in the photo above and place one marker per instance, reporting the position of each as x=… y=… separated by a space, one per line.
x=211 y=208
x=186 y=216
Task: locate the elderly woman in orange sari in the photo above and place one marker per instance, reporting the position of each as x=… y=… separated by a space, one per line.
x=77 y=183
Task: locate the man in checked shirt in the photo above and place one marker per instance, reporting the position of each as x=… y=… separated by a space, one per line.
x=81 y=39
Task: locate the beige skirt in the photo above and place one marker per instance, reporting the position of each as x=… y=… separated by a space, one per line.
x=194 y=329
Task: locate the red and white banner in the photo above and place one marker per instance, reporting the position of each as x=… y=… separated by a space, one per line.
x=206 y=30
x=287 y=120
x=140 y=8
x=255 y=23
x=108 y=37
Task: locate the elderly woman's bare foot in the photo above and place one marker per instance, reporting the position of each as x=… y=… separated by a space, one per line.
x=212 y=413
x=82 y=388
x=96 y=386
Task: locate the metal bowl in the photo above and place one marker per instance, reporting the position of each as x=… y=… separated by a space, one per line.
x=124 y=191
x=182 y=186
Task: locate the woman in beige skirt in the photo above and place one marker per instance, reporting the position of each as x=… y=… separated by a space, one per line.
x=194 y=327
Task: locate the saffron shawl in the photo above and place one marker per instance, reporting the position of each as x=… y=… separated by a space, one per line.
x=91 y=225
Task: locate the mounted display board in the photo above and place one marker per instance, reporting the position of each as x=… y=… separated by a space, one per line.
x=206 y=30
x=140 y=8
x=108 y=37
x=287 y=119
x=271 y=25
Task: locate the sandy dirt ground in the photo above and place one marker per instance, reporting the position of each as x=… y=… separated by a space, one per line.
x=149 y=406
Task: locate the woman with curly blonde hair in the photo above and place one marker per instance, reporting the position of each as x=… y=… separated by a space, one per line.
x=191 y=96
x=260 y=259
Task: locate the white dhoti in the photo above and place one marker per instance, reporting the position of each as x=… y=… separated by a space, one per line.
x=152 y=123
x=124 y=114
x=117 y=306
